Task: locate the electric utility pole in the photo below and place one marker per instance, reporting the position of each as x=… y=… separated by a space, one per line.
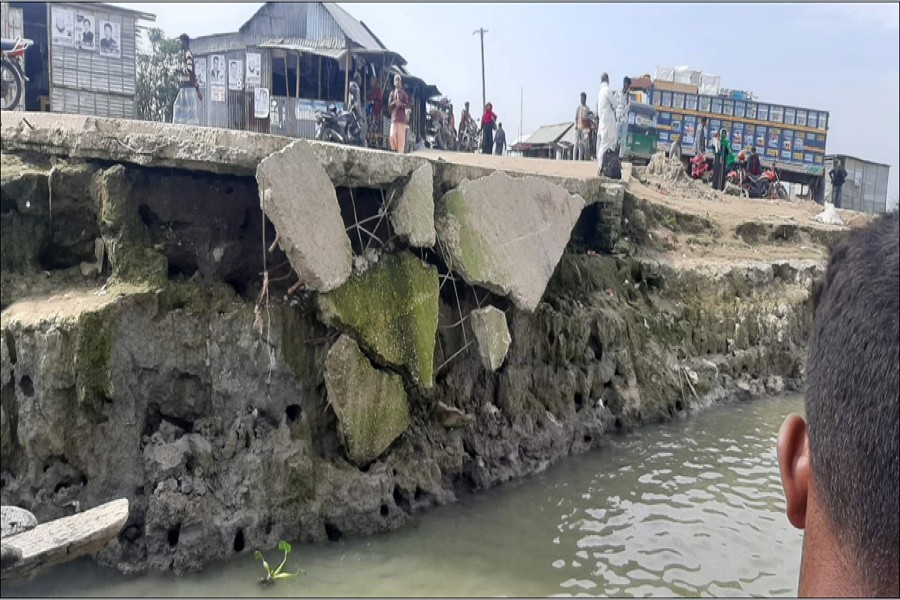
x=481 y=31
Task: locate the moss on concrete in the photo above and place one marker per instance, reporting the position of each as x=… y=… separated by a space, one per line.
x=393 y=311
x=94 y=336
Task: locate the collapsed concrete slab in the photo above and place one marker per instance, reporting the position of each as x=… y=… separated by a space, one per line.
x=412 y=208
x=370 y=405
x=507 y=233
x=299 y=198
x=62 y=540
x=352 y=166
x=14 y=520
x=393 y=311
x=492 y=336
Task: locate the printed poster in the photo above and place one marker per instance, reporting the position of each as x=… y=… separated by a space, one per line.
x=235 y=74
x=217 y=70
x=85 y=36
x=62 y=30
x=217 y=93
x=110 y=39
x=254 y=70
x=260 y=102
x=200 y=71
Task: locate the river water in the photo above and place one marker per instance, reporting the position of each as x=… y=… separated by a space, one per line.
x=692 y=507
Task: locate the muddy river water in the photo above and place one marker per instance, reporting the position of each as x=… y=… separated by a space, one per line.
x=692 y=507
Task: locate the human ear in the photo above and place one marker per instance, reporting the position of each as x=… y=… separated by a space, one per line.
x=794 y=466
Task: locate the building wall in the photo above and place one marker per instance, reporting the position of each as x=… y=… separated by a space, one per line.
x=866 y=186
x=85 y=81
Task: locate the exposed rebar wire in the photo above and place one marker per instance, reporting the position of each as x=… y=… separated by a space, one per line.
x=356 y=218
x=455 y=354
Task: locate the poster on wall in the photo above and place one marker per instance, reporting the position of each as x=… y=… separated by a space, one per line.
x=217 y=70
x=260 y=102
x=235 y=74
x=254 y=70
x=200 y=71
x=84 y=31
x=217 y=93
x=110 y=39
x=63 y=29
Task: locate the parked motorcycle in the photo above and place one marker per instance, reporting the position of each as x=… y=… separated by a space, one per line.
x=438 y=132
x=766 y=185
x=471 y=137
x=700 y=167
x=12 y=76
x=341 y=128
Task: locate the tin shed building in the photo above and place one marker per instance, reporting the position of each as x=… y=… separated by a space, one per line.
x=291 y=59
x=866 y=187
x=84 y=56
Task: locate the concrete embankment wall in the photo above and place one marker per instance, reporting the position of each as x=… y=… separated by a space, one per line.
x=425 y=329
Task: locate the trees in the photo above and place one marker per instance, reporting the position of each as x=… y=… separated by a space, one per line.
x=157 y=78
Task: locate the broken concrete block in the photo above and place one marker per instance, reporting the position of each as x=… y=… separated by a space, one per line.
x=492 y=335
x=507 y=233
x=393 y=311
x=96 y=267
x=370 y=405
x=452 y=417
x=299 y=198
x=15 y=520
x=412 y=208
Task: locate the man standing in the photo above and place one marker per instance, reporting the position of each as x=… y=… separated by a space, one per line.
x=500 y=141
x=184 y=112
x=464 y=119
x=838 y=175
x=398 y=102
x=606 y=111
x=375 y=100
x=839 y=467
x=582 y=129
x=354 y=104
x=622 y=102
x=700 y=137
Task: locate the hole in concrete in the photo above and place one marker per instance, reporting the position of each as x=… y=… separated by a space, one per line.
x=385 y=511
x=131 y=533
x=11 y=346
x=293 y=412
x=367 y=202
x=679 y=405
x=578 y=399
x=588 y=439
x=332 y=531
x=418 y=495
x=139 y=491
x=83 y=480
x=239 y=287
x=618 y=424
x=239 y=541
x=27 y=386
x=172 y=535
x=401 y=500
x=149 y=218
x=183 y=270
x=60 y=486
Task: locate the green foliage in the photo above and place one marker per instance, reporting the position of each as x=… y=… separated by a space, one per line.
x=157 y=78
x=272 y=576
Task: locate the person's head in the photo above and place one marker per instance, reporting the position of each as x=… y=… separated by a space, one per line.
x=723 y=134
x=466 y=105
x=703 y=121
x=499 y=125
x=185 y=41
x=604 y=78
x=216 y=62
x=488 y=107
x=235 y=70
x=752 y=149
x=107 y=30
x=373 y=81
x=398 y=82
x=357 y=79
x=60 y=21
x=626 y=83
x=838 y=163
x=583 y=98
x=839 y=468
x=86 y=25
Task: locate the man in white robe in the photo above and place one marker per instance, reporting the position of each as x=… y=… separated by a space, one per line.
x=606 y=111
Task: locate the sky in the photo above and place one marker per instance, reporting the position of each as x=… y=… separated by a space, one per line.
x=842 y=58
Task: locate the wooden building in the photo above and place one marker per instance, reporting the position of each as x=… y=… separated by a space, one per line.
x=291 y=59
x=84 y=56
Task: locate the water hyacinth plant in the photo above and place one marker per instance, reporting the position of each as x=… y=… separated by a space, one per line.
x=272 y=576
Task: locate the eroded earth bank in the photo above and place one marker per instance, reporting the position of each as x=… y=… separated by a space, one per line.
x=253 y=338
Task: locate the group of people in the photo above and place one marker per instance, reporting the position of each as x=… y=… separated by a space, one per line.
x=489 y=121
x=612 y=109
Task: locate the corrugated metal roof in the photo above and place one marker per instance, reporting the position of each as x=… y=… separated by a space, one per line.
x=307 y=46
x=353 y=29
x=548 y=134
x=570 y=137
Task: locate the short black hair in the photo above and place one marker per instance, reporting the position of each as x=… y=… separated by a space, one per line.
x=105 y=25
x=852 y=396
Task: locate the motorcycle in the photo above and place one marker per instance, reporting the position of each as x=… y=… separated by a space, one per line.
x=341 y=128
x=699 y=166
x=12 y=76
x=767 y=185
x=438 y=132
x=471 y=137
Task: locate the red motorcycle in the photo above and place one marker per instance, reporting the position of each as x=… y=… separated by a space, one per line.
x=699 y=166
x=766 y=185
x=12 y=77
